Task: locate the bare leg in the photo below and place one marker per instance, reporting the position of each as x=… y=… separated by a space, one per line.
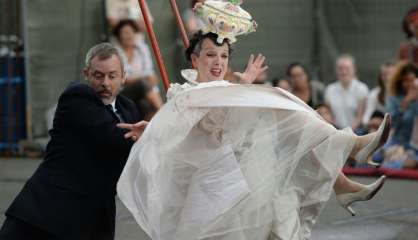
x=345 y=185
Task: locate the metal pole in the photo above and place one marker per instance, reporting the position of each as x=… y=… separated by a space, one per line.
x=180 y=24
x=154 y=44
x=27 y=69
x=11 y=124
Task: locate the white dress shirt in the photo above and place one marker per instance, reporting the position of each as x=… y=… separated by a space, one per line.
x=344 y=102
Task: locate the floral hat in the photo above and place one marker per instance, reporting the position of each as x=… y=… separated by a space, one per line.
x=225 y=18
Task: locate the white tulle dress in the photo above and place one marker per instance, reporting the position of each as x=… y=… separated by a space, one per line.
x=223 y=161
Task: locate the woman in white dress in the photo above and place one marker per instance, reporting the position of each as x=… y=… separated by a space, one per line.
x=238 y=162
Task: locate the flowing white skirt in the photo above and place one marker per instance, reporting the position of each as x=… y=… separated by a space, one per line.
x=232 y=162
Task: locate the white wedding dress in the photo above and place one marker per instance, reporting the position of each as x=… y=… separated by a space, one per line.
x=221 y=161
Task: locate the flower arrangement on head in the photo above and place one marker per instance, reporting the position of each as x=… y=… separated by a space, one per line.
x=225 y=18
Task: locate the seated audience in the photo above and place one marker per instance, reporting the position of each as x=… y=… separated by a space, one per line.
x=401 y=151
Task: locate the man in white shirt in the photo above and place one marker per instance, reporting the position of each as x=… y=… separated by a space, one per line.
x=347 y=96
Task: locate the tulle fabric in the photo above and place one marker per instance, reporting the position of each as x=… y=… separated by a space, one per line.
x=232 y=162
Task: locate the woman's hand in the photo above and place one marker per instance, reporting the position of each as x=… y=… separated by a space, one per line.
x=136 y=129
x=254 y=68
x=411 y=95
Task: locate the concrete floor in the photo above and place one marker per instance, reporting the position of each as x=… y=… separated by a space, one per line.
x=392 y=214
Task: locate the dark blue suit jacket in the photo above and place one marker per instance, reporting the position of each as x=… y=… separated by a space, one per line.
x=72 y=193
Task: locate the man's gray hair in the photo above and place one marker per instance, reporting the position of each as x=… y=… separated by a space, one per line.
x=104 y=51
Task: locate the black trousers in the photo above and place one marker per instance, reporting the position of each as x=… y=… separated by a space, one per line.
x=15 y=229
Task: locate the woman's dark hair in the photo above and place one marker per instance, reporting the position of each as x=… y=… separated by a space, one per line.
x=401 y=70
x=382 y=93
x=405 y=22
x=123 y=23
x=297 y=64
x=195 y=43
x=377 y=114
x=409 y=68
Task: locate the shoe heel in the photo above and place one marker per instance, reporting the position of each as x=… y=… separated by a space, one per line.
x=350 y=210
x=372 y=163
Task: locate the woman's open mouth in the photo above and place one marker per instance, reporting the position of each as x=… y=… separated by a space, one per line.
x=216 y=72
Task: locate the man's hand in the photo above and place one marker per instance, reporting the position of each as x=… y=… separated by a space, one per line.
x=136 y=129
x=254 y=68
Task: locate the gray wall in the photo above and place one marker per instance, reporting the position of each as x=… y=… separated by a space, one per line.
x=311 y=31
x=370 y=30
x=58 y=34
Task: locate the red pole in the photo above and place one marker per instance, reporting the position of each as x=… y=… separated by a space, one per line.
x=180 y=23
x=154 y=44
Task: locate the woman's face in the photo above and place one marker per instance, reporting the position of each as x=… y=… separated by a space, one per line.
x=408 y=81
x=298 y=77
x=127 y=36
x=211 y=62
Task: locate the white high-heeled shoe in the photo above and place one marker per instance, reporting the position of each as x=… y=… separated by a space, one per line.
x=378 y=140
x=366 y=193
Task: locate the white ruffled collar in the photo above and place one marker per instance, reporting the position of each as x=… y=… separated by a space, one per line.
x=191 y=75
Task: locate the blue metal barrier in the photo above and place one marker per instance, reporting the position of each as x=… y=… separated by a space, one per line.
x=12 y=103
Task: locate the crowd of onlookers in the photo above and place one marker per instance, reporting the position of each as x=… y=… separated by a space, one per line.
x=347 y=102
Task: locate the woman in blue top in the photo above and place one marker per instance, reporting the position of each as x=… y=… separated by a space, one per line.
x=402 y=104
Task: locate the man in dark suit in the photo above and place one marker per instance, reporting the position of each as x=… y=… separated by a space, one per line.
x=72 y=193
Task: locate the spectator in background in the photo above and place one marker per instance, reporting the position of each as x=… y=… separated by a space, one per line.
x=408 y=49
x=326 y=113
x=136 y=54
x=147 y=101
x=347 y=96
x=302 y=86
x=118 y=10
x=401 y=151
x=191 y=22
x=402 y=103
x=375 y=120
x=282 y=83
x=376 y=99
